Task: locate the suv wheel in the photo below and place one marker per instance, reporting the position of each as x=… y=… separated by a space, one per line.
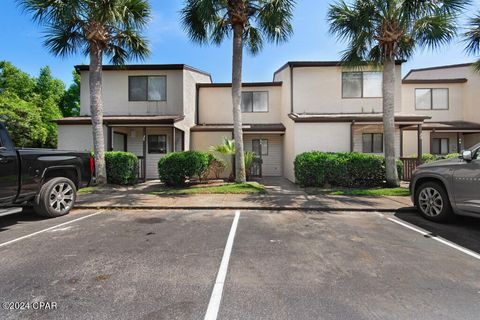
x=56 y=198
x=432 y=201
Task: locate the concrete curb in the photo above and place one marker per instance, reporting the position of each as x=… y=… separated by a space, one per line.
x=262 y=208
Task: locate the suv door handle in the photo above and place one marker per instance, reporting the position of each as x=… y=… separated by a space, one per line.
x=4 y=160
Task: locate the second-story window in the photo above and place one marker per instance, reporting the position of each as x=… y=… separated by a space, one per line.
x=362 y=84
x=255 y=101
x=147 y=88
x=431 y=99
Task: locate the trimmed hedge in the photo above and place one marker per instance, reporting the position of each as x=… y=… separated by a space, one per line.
x=122 y=167
x=315 y=169
x=428 y=157
x=176 y=168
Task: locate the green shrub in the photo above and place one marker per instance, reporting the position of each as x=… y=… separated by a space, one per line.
x=452 y=156
x=400 y=168
x=176 y=168
x=315 y=169
x=122 y=167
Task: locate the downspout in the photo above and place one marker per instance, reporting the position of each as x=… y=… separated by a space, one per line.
x=197 y=105
x=352 y=136
x=291 y=88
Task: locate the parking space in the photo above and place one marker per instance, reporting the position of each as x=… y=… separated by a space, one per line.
x=283 y=265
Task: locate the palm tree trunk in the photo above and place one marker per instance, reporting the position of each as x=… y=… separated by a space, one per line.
x=389 y=79
x=237 y=101
x=96 y=111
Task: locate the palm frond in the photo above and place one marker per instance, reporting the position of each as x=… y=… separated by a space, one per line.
x=273 y=18
x=253 y=40
x=434 y=30
x=472 y=36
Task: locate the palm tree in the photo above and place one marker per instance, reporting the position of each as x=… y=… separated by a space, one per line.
x=472 y=37
x=382 y=31
x=227 y=149
x=249 y=22
x=96 y=28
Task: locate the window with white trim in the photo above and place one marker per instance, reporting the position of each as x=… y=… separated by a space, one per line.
x=147 y=88
x=255 y=101
x=431 y=99
x=362 y=84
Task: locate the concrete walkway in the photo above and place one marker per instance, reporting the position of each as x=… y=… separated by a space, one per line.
x=281 y=196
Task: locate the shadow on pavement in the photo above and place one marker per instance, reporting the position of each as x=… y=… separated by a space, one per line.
x=464 y=231
x=13 y=219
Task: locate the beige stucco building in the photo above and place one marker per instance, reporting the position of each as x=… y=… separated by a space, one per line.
x=152 y=110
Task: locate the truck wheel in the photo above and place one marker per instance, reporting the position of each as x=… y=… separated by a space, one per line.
x=56 y=198
x=431 y=199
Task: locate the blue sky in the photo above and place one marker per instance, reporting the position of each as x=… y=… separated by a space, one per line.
x=21 y=43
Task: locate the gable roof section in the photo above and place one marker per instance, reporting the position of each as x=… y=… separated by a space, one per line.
x=448 y=66
x=427 y=81
x=144 y=67
x=307 y=64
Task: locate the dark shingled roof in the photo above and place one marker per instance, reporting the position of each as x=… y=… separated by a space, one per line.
x=124 y=120
x=273 y=127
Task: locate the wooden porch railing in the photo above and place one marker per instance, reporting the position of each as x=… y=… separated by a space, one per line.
x=409 y=165
x=141 y=173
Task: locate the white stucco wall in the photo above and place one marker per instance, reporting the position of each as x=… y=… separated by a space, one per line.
x=456 y=101
x=77 y=137
x=115 y=94
x=216 y=105
x=470 y=91
x=319 y=90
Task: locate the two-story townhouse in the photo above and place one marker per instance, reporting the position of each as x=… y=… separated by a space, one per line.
x=317 y=105
x=148 y=110
x=449 y=96
x=261 y=117
x=327 y=107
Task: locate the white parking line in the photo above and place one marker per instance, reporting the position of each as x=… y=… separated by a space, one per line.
x=216 y=298
x=437 y=238
x=48 y=229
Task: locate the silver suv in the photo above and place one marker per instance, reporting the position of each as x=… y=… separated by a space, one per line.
x=443 y=188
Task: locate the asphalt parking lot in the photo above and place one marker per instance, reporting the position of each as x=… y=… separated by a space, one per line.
x=282 y=265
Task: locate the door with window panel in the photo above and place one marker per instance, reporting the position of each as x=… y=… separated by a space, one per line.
x=259 y=148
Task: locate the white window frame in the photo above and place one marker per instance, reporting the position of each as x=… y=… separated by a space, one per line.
x=432 y=103
x=253 y=104
x=146 y=89
x=362 y=86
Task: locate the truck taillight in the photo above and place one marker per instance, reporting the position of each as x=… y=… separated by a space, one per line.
x=92 y=165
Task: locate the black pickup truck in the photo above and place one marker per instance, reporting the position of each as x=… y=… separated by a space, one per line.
x=46 y=180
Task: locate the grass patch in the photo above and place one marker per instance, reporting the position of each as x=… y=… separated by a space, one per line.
x=86 y=190
x=373 y=192
x=229 y=188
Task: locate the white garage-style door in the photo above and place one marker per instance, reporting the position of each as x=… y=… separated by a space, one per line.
x=269 y=147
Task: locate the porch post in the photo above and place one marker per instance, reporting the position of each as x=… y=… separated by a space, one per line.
x=401 y=142
x=109 y=138
x=419 y=141
x=352 y=136
x=144 y=164
x=173 y=139
x=459 y=143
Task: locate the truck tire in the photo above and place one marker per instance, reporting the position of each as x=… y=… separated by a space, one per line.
x=431 y=199
x=56 y=198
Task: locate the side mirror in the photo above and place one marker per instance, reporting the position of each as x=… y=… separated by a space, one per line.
x=467 y=155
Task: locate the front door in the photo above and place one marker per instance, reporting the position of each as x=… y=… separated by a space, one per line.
x=8 y=172
x=467 y=185
x=119 y=141
x=256 y=170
